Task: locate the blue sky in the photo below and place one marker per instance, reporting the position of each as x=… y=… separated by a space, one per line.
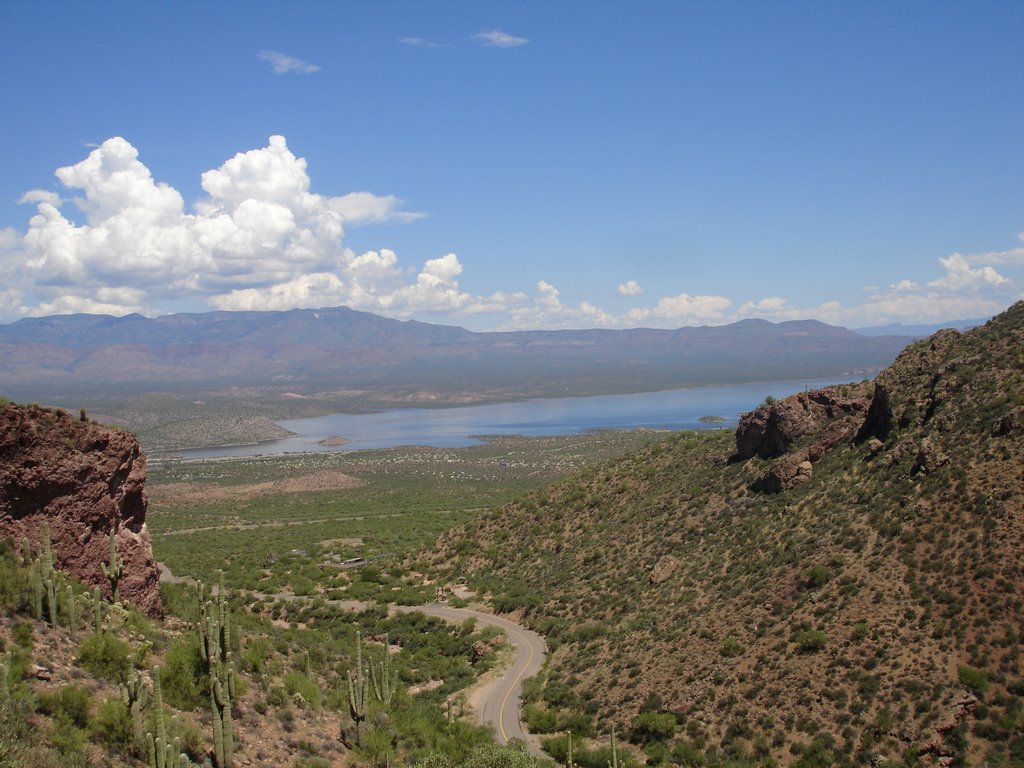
x=515 y=165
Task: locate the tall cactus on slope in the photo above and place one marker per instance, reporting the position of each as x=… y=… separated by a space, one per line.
x=135 y=696
x=358 y=690
x=385 y=681
x=165 y=744
x=215 y=648
x=115 y=570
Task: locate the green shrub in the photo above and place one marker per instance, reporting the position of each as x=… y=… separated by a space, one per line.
x=810 y=640
x=183 y=677
x=731 y=647
x=378 y=746
x=652 y=726
x=298 y=683
x=539 y=720
x=816 y=576
x=257 y=654
x=105 y=655
x=974 y=679
x=688 y=754
x=578 y=723
x=113 y=725
x=860 y=631
x=70 y=703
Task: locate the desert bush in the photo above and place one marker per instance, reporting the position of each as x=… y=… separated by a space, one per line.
x=298 y=683
x=105 y=655
x=539 y=720
x=69 y=703
x=578 y=723
x=113 y=725
x=974 y=679
x=816 y=576
x=810 y=640
x=652 y=726
x=731 y=647
x=183 y=677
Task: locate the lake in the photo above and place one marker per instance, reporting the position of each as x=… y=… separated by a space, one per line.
x=458 y=427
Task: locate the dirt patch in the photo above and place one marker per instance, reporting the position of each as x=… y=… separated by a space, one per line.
x=322 y=480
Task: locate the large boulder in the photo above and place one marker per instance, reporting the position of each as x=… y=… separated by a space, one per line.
x=771 y=429
x=85 y=481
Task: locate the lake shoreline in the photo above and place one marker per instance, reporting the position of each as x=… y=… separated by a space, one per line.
x=672 y=410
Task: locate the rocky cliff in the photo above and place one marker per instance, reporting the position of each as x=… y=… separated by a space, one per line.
x=85 y=480
x=800 y=429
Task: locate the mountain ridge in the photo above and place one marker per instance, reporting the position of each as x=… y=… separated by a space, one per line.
x=837 y=583
x=315 y=352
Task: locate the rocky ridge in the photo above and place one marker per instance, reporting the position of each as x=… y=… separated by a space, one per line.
x=85 y=481
x=839 y=582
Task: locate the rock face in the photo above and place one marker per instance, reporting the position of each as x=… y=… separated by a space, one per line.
x=819 y=418
x=85 y=480
x=769 y=431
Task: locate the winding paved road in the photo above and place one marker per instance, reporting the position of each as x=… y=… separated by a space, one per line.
x=501 y=700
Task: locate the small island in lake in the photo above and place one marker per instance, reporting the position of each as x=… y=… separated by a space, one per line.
x=711 y=419
x=334 y=440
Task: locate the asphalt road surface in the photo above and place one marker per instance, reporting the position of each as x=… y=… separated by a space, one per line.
x=502 y=704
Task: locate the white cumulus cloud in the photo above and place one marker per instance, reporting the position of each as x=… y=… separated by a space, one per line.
x=260 y=237
x=259 y=227
x=629 y=288
x=692 y=310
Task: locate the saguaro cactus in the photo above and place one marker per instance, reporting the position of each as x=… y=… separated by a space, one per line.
x=36 y=585
x=358 y=690
x=384 y=680
x=46 y=556
x=114 y=570
x=165 y=744
x=97 y=611
x=71 y=611
x=215 y=648
x=135 y=696
x=26 y=552
x=51 y=600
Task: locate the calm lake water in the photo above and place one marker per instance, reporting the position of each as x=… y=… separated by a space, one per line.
x=457 y=427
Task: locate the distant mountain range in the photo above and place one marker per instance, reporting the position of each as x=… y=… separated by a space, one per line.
x=337 y=353
x=919 y=331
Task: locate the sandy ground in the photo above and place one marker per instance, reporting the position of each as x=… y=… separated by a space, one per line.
x=323 y=480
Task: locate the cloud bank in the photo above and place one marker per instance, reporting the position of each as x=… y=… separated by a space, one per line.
x=261 y=239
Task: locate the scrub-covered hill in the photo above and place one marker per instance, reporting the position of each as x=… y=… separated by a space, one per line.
x=839 y=581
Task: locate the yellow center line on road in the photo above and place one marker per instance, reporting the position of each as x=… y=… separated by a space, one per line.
x=504 y=701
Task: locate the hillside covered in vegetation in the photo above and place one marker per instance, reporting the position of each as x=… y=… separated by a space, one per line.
x=838 y=583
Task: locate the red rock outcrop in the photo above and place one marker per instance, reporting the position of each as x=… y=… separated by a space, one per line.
x=770 y=429
x=85 y=480
x=818 y=418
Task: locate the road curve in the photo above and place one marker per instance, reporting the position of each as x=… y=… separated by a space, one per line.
x=502 y=700
x=502 y=706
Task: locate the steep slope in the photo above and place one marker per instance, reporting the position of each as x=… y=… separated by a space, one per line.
x=85 y=481
x=839 y=581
